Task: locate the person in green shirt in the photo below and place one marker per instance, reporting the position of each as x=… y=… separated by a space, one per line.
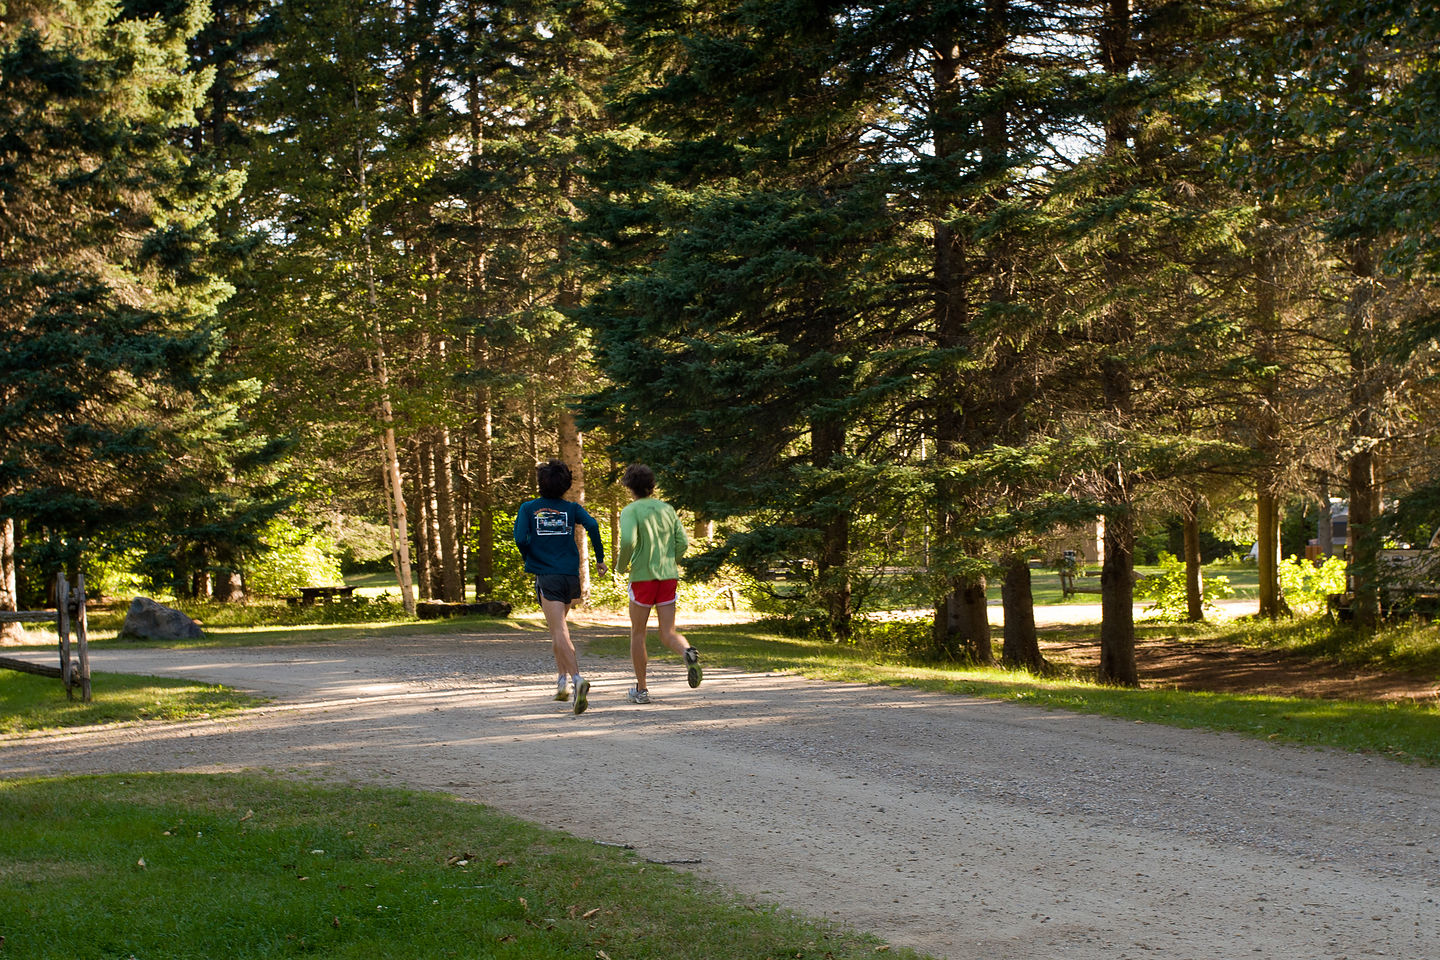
x=652 y=540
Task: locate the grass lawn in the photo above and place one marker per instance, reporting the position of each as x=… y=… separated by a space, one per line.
x=29 y=702
x=205 y=866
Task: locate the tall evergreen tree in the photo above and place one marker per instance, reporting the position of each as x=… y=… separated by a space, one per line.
x=108 y=286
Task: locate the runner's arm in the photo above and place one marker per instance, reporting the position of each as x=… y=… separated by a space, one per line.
x=592 y=529
x=522 y=530
x=627 y=541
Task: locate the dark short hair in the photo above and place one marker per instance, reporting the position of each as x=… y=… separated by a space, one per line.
x=639 y=479
x=553 y=477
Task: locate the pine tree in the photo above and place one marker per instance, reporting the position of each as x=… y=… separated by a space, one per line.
x=108 y=283
x=1350 y=148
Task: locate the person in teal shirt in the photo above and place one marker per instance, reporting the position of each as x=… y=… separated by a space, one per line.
x=545 y=534
x=652 y=541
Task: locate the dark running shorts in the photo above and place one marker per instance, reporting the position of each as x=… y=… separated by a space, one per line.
x=557 y=587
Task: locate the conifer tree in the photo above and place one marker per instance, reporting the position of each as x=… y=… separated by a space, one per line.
x=108 y=286
x=1349 y=148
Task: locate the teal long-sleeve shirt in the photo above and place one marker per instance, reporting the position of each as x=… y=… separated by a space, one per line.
x=652 y=540
x=545 y=534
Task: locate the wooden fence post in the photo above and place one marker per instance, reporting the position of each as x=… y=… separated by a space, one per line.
x=81 y=638
x=62 y=624
x=69 y=606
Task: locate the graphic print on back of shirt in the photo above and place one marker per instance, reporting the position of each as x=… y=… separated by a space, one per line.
x=550 y=522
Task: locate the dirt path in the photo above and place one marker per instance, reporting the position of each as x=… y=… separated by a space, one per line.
x=962 y=827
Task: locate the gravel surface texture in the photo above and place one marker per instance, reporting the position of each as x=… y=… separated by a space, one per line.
x=962 y=827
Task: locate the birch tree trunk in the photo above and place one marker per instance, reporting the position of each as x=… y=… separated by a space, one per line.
x=572 y=453
x=9 y=584
x=422 y=509
x=380 y=368
x=484 y=497
x=452 y=577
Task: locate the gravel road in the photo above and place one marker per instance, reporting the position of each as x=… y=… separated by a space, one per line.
x=962 y=827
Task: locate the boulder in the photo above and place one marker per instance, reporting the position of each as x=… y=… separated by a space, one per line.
x=148 y=620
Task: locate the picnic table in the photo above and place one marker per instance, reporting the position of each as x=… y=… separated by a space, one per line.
x=308 y=595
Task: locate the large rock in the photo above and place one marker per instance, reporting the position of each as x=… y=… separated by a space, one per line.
x=148 y=620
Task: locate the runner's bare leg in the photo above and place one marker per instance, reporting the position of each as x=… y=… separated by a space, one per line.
x=555 y=613
x=639 y=621
x=672 y=638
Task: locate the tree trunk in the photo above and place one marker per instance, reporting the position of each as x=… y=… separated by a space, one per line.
x=418 y=500
x=201 y=582
x=1117 y=603
x=9 y=583
x=1268 y=352
x=1267 y=533
x=832 y=578
x=1365 y=436
x=1022 y=645
x=484 y=525
x=572 y=452
x=452 y=577
x=229 y=586
x=1117 y=574
x=1194 y=587
x=400 y=536
x=961 y=630
x=1325 y=534
x=614 y=515
x=1365 y=540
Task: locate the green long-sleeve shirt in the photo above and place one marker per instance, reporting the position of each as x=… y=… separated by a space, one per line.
x=651 y=541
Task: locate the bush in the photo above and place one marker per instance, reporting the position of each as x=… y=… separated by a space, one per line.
x=295 y=558
x=1166 y=591
x=1306 y=587
x=895 y=641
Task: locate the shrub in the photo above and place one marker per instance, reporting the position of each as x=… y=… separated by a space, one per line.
x=1306 y=586
x=295 y=557
x=1166 y=591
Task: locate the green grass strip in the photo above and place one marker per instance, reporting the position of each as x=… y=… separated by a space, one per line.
x=29 y=702
x=246 y=867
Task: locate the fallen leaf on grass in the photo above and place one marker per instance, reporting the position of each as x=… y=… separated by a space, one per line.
x=589 y=913
x=248 y=815
x=601 y=955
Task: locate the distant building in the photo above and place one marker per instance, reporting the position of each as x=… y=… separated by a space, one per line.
x=1085 y=541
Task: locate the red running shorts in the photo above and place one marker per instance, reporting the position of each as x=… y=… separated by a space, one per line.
x=653 y=593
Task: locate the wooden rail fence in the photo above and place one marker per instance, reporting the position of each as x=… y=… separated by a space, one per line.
x=69 y=612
